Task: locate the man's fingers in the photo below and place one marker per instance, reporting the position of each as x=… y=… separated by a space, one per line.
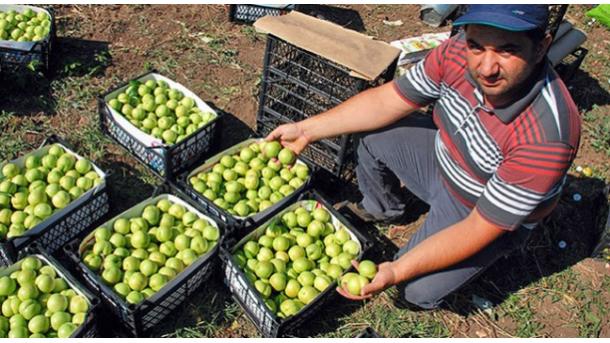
x=350 y=296
x=356 y=265
x=373 y=287
x=274 y=135
x=344 y=293
x=288 y=144
x=369 y=289
x=292 y=145
x=363 y=297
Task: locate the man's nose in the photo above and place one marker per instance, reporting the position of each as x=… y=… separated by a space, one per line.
x=489 y=65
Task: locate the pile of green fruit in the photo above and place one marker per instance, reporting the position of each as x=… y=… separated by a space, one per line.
x=253 y=179
x=27 y=26
x=43 y=186
x=354 y=282
x=160 y=111
x=36 y=302
x=299 y=255
x=137 y=256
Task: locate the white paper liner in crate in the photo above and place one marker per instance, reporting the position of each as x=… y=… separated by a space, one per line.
x=210 y=162
x=309 y=205
x=141 y=136
x=76 y=287
x=136 y=211
x=24 y=46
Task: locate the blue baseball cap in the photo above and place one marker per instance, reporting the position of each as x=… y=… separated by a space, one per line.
x=507 y=17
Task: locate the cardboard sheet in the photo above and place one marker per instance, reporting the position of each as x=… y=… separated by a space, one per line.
x=365 y=57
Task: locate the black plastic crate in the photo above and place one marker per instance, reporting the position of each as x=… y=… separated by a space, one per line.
x=298 y=84
x=138 y=320
x=64 y=225
x=251 y=13
x=164 y=161
x=568 y=66
x=18 y=56
x=234 y=222
x=556 y=14
x=89 y=328
x=244 y=293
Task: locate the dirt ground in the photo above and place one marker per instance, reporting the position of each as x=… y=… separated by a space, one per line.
x=221 y=61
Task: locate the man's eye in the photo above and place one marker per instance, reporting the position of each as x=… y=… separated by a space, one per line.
x=474 y=48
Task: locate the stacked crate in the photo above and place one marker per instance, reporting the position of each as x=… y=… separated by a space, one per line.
x=298 y=84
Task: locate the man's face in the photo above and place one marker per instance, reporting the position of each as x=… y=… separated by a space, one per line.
x=499 y=61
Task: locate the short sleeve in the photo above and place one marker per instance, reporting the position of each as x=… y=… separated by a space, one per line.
x=529 y=175
x=420 y=85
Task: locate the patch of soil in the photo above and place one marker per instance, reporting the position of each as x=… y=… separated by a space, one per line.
x=555 y=318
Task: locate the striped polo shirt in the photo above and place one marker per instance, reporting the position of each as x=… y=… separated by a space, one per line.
x=510 y=163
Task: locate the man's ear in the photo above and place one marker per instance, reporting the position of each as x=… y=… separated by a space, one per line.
x=543 y=47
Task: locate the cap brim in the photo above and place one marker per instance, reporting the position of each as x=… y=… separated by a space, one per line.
x=497 y=20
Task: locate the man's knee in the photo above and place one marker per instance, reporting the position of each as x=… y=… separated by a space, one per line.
x=421 y=295
x=366 y=144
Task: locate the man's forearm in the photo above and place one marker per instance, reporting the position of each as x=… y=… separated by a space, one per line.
x=446 y=248
x=367 y=111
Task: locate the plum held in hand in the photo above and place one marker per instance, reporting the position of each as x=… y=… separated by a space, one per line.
x=354 y=282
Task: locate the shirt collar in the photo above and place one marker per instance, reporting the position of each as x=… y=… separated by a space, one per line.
x=510 y=112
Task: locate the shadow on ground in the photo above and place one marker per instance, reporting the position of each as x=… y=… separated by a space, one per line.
x=26 y=93
x=30 y=93
x=79 y=57
x=122 y=176
x=231 y=130
x=587 y=91
x=577 y=224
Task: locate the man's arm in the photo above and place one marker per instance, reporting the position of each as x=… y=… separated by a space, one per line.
x=370 y=110
x=439 y=251
x=448 y=247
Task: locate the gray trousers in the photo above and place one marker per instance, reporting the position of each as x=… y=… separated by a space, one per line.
x=405 y=152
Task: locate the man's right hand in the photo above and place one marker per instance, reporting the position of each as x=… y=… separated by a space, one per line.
x=385 y=277
x=291 y=136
